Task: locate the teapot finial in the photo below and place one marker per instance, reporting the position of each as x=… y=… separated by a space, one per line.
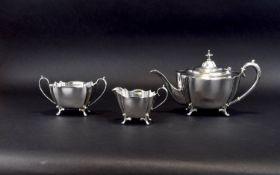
x=209 y=55
x=209 y=64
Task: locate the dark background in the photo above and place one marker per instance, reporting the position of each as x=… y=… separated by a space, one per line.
x=123 y=40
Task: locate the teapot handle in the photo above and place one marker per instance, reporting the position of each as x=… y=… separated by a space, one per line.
x=258 y=75
x=44 y=78
x=105 y=87
x=166 y=92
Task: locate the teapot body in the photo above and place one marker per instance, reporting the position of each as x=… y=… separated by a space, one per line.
x=212 y=93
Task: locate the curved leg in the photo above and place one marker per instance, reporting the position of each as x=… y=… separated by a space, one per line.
x=147 y=122
x=191 y=109
x=60 y=109
x=83 y=110
x=148 y=116
x=147 y=119
x=125 y=118
x=224 y=110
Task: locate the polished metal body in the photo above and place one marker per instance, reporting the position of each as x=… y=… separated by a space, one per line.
x=209 y=87
x=72 y=94
x=137 y=103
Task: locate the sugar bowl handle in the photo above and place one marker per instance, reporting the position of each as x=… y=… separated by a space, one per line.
x=257 y=68
x=166 y=95
x=105 y=87
x=44 y=78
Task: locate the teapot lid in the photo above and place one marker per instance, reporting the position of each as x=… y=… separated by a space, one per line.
x=209 y=69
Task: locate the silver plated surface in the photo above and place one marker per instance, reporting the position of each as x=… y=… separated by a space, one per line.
x=72 y=94
x=208 y=86
x=138 y=103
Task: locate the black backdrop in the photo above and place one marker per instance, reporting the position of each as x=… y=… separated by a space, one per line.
x=123 y=40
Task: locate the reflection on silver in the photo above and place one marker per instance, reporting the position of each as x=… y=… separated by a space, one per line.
x=137 y=103
x=72 y=94
x=209 y=87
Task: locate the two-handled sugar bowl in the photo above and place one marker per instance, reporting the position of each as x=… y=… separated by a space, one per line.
x=209 y=87
x=72 y=94
x=138 y=103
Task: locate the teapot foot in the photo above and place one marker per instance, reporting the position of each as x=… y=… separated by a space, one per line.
x=191 y=109
x=224 y=110
x=60 y=109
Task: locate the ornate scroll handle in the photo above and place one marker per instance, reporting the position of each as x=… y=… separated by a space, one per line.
x=166 y=92
x=105 y=87
x=44 y=78
x=258 y=75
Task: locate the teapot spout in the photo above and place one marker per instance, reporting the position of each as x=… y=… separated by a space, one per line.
x=176 y=93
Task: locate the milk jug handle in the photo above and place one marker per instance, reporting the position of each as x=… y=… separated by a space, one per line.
x=166 y=95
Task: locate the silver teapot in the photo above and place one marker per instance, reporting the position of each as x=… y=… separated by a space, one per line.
x=209 y=87
x=72 y=94
x=137 y=103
